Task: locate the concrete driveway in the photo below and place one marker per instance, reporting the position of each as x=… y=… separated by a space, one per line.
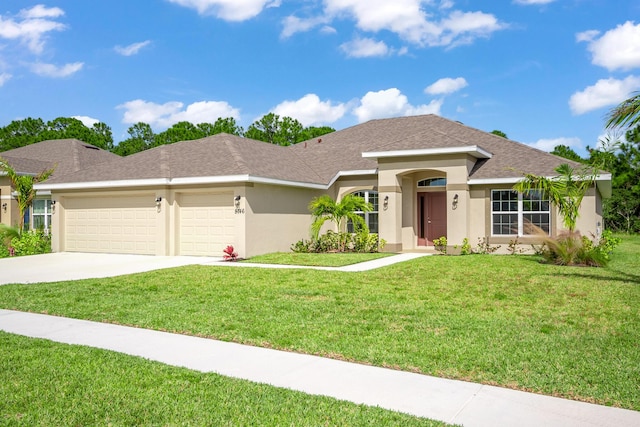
x=60 y=266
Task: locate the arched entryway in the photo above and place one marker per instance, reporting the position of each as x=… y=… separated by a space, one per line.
x=431 y=210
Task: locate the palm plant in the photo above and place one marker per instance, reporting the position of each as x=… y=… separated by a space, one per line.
x=7 y=234
x=23 y=186
x=626 y=114
x=564 y=191
x=324 y=209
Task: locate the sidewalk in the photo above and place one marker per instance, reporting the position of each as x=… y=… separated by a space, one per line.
x=455 y=402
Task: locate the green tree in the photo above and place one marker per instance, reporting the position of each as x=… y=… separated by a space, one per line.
x=181 y=131
x=312 y=132
x=499 y=133
x=564 y=191
x=23 y=186
x=324 y=209
x=141 y=137
x=622 y=159
x=567 y=152
x=626 y=114
x=19 y=133
x=224 y=125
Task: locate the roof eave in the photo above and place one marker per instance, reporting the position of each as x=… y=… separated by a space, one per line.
x=472 y=150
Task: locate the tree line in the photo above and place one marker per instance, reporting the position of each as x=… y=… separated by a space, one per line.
x=270 y=128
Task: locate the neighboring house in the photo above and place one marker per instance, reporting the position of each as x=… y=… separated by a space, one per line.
x=64 y=155
x=426 y=177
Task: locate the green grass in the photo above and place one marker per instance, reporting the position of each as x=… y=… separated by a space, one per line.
x=51 y=384
x=503 y=320
x=320 y=259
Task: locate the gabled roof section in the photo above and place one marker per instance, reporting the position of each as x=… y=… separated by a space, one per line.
x=67 y=155
x=342 y=150
x=316 y=163
x=222 y=156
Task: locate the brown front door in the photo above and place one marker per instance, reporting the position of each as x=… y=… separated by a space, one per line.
x=432 y=217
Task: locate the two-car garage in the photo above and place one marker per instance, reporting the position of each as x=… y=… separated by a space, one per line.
x=200 y=224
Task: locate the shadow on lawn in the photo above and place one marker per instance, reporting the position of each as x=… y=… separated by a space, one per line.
x=614 y=276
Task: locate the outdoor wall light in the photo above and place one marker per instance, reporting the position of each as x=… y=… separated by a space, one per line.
x=237 y=200
x=385 y=203
x=158 y=199
x=4 y=207
x=455 y=201
x=53 y=206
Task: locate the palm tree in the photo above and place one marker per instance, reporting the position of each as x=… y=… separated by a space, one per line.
x=324 y=209
x=565 y=191
x=626 y=114
x=23 y=186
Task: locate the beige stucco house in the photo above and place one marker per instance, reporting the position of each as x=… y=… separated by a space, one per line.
x=426 y=177
x=63 y=155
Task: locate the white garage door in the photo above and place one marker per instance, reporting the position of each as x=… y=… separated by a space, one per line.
x=125 y=225
x=206 y=223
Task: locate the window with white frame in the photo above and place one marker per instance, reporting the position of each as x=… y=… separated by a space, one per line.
x=432 y=182
x=370 y=218
x=41 y=214
x=512 y=211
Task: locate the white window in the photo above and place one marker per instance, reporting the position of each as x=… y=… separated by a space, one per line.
x=432 y=182
x=370 y=218
x=511 y=211
x=41 y=214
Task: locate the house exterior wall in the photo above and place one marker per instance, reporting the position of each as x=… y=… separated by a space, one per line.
x=275 y=217
x=397 y=179
x=10 y=216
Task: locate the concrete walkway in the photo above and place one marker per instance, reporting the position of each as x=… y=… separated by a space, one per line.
x=455 y=402
x=61 y=266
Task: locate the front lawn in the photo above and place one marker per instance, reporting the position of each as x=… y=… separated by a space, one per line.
x=317 y=259
x=51 y=384
x=503 y=320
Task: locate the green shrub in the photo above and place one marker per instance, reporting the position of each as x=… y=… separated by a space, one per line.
x=30 y=243
x=331 y=241
x=573 y=249
x=441 y=244
x=484 y=247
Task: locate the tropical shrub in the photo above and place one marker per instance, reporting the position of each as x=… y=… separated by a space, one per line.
x=31 y=242
x=229 y=254
x=441 y=244
x=573 y=249
x=331 y=241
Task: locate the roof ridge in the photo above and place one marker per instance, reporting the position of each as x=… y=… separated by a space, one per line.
x=237 y=156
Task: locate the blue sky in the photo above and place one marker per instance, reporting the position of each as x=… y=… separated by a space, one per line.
x=543 y=71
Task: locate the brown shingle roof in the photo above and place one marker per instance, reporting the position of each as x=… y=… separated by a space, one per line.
x=319 y=160
x=218 y=155
x=67 y=155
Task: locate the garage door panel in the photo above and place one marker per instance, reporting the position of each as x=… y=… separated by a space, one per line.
x=207 y=223
x=111 y=224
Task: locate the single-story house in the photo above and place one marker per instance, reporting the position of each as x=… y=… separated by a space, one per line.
x=426 y=177
x=63 y=155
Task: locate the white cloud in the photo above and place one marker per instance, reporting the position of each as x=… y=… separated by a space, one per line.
x=409 y=20
x=604 y=93
x=41 y=11
x=391 y=103
x=131 y=49
x=618 y=48
x=587 y=36
x=51 y=70
x=446 y=85
x=309 y=110
x=86 y=120
x=31 y=26
x=365 y=47
x=4 y=77
x=293 y=24
x=229 y=10
x=549 y=144
x=167 y=114
x=534 y=2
